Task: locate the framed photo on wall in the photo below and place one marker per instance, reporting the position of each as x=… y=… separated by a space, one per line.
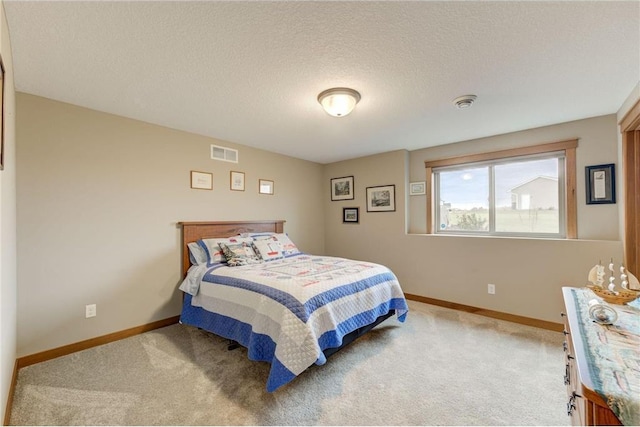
x=237 y=181
x=600 y=183
x=381 y=198
x=417 y=188
x=342 y=188
x=350 y=215
x=265 y=186
x=201 y=180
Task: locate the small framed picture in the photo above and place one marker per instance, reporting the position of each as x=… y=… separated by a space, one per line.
x=381 y=198
x=350 y=215
x=417 y=188
x=342 y=188
x=265 y=186
x=600 y=183
x=237 y=181
x=201 y=180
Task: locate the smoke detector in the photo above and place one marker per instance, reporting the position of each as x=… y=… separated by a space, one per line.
x=464 y=101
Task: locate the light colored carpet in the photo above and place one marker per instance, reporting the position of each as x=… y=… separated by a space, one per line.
x=441 y=367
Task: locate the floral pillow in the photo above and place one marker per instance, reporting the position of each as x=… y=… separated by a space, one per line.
x=212 y=248
x=239 y=254
x=288 y=247
x=259 y=236
x=268 y=249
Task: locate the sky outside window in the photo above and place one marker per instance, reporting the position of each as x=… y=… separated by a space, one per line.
x=469 y=188
x=465 y=188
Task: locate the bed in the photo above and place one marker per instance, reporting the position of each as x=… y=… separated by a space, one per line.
x=288 y=308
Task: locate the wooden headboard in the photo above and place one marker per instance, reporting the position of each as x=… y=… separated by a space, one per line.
x=194 y=231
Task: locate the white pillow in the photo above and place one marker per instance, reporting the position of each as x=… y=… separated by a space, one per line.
x=197 y=255
x=268 y=249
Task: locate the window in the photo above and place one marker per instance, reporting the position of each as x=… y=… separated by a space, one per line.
x=528 y=191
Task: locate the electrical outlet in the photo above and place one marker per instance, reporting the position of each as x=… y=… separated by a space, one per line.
x=90 y=311
x=491 y=288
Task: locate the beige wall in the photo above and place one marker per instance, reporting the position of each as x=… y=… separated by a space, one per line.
x=8 y=275
x=98 y=200
x=528 y=273
x=597 y=144
x=369 y=239
x=99 y=197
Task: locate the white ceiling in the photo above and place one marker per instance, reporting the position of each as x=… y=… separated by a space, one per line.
x=250 y=72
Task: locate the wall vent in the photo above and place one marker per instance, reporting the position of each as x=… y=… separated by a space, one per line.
x=224 y=153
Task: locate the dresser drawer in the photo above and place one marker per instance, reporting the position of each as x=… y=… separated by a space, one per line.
x=584 y=406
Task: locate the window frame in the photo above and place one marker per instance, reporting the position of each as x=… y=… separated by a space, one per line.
x=570 y=196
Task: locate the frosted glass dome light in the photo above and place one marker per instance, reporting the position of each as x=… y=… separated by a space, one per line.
x=338 y=101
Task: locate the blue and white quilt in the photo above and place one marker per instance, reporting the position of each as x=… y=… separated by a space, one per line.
x=286 y=312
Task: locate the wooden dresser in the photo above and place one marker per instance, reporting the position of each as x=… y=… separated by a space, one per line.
x=584 y=405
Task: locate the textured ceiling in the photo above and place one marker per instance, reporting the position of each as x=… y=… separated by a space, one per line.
x=250 y=72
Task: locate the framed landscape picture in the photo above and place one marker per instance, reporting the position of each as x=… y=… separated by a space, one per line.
x=350 y=215
x=381 y=198
x=342 y=188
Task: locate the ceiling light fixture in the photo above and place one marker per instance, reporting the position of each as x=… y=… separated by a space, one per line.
x=464 y=101
x=338 y=101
